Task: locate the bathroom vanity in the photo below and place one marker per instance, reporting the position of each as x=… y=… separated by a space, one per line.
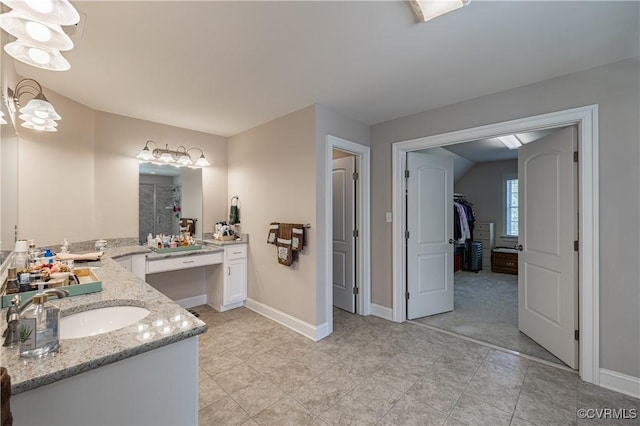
x=121 y=377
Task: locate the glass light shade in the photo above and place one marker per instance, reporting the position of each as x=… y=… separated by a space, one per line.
x=429 y=9
x=40 y=108
x=43 y=128
x=2 y=120
x=59 y=12
x=35 y=32
x=202 y=162
x=145 y=155
x=37 y=56
x=37 y=121
x=184 y=160
x=166 y=157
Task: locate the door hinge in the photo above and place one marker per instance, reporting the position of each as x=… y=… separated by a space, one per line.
x=356 y=234
x=576 y=245
x=355 y=176
x=406 y=174
x=356 y=291
x=575 y=156
x=576 y=335
x=406 y=295
x=406 y=234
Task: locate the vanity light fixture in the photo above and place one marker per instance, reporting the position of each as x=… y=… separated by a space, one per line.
x=38 y=113
x=165 y=156
x=426 y=10
x=37 y=26
x=510 y=141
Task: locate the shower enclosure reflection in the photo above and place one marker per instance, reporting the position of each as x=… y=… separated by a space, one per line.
x=166 y=195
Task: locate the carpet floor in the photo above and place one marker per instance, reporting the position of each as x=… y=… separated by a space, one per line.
x=486 y=309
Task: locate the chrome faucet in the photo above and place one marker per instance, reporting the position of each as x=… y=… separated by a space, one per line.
x=15 y=311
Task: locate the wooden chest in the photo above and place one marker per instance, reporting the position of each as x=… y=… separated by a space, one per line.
x=506 y=263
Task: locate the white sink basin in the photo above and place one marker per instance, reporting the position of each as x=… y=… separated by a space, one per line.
x=100 y=320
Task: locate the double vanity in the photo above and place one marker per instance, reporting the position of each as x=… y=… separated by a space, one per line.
x=142 y=373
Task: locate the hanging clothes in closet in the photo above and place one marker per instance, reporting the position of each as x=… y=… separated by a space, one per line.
x=463 y=219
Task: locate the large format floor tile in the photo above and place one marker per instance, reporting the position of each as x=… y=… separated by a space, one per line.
x=254 y=371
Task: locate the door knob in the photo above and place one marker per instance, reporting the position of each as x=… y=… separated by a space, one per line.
x=519 y=247
x=450 y=240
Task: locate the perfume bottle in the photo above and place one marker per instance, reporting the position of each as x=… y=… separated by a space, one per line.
x=39 y=328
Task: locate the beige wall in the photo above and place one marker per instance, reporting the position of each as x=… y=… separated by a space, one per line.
x=81 y=182
x=482 y=186
x=272 y=170
x=615 y=88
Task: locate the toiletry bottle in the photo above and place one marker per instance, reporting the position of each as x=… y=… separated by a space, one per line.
x=39 y=327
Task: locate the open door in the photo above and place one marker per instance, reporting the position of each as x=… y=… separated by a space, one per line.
x=547 y=263
x=429 y=210
x=344 y=279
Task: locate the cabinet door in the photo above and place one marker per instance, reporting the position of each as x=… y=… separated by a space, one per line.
x=235 y=281
x=124 y=261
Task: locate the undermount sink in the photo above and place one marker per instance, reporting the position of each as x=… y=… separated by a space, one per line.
x=100 y=320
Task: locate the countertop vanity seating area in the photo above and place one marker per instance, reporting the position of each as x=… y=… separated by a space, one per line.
x=135 y=374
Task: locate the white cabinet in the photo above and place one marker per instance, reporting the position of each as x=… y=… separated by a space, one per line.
x=483 y=232
x=233 y=291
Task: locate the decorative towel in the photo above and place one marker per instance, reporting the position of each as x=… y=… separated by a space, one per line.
x=297 y=237
x=234 y=212
x=285 y=254
x=87 y=256
x=273 y=232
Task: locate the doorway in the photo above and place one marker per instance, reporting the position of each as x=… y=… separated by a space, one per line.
x=586 y=120
x=488 y=208
x=362 y=244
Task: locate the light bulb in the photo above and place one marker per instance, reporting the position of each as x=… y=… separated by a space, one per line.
x=42 y=6
x=38 y=31
x=39 y=56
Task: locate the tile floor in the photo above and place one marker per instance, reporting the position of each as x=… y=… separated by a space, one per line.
x=370 y=371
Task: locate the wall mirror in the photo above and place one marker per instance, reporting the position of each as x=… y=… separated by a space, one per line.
x=168 y=198
x=8 y=187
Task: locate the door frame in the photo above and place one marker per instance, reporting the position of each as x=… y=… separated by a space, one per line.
x=586 y=118
x=363 y=218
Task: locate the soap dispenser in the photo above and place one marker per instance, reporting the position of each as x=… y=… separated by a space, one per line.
x=39 y=328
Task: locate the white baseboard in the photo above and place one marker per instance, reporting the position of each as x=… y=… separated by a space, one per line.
x=224 y=308
x=190 y=302
x=313 y=332
x=382 y=312
x=619 y=382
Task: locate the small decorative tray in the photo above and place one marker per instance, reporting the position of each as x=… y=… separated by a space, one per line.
x=225 y=238
x=175 y=249
x=89 y=283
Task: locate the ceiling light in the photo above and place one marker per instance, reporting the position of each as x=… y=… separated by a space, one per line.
x=59 y=12
x=35 y=32
x=510 y=141
x=2 y=120
x=37 y=56
x=38 y=113
x=426 y=10
x=166 y=156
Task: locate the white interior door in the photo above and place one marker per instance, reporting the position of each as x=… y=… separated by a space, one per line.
x=547 y=264
x=343 y=239
x=430 y=225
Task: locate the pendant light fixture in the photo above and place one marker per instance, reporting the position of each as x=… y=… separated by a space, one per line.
x=37 y=26
x=38 y=113
x=2 y=120
x=169 y=157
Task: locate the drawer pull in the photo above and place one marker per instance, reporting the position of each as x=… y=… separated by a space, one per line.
x=237 y=252
x=229 y=270
x=187 y=261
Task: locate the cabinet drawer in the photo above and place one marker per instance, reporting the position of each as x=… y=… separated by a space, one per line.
x=481 y=235
x=235 y=252
x=482 y=227
x=184 y=262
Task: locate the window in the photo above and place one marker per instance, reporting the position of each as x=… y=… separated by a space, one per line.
x=512 y=207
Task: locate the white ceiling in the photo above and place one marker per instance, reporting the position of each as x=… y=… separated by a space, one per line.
x=225 y=67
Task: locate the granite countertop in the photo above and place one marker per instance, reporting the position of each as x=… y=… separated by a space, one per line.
x=119 y=287
x=244 y=239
